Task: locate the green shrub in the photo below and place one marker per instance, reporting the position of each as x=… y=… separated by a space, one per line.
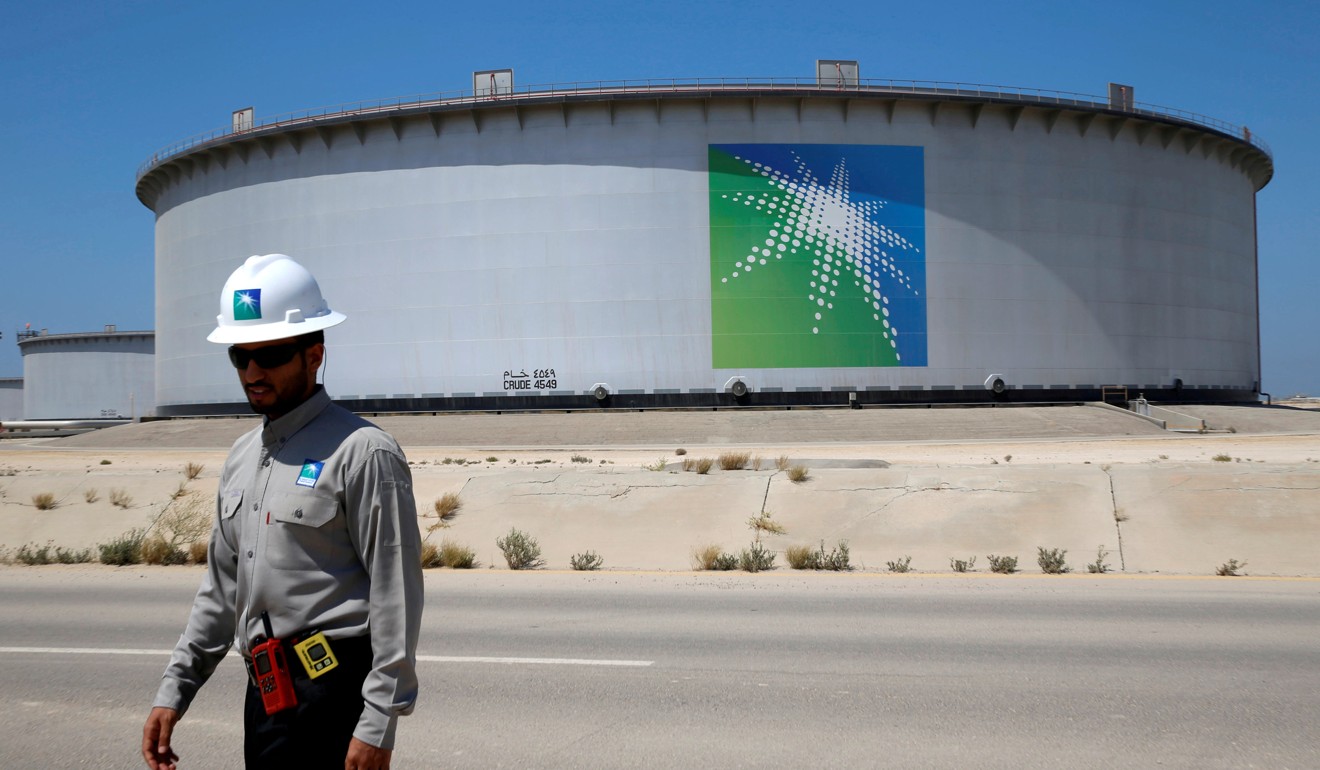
x=725 y=562
x=961 y=565
x=902 y=565
x=1230 y=568
x=1004 y=565
x=805 y=557
x=71 y=556
x=837 y=560
x=734 y=461
x=1221 y=458
x=521 y=551
x=125 y=549
x=657 y=466
x=33 y=555
x=586 y=562
x=680 y=451
x=1098 y=567
x=1052 y=561
x=756 y=558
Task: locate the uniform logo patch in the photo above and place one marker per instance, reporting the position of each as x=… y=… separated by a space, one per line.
x=311 y=472
x=247 y=305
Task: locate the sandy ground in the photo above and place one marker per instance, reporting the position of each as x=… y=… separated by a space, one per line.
x=1087 y=480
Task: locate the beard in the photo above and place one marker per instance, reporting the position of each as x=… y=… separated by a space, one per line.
x=281 y=397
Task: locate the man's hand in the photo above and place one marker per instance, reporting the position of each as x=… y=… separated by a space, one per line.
x=156 y=739
x=364 y=756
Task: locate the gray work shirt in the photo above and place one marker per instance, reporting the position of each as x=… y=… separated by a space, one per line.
x=317 y=526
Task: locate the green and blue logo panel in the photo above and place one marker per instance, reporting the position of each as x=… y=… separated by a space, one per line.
x=310 y=473
x=817 y=255
x=247 y=304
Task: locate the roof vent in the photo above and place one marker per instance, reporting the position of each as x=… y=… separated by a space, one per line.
x=1120 y=97
x=489 y=84
x=242 y=120
x=836 y=73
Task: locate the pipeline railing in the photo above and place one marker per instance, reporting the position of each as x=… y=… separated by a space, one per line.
x=713 y=85
x=1167 y=418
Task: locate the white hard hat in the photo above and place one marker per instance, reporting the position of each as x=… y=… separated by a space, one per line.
x=271 y=297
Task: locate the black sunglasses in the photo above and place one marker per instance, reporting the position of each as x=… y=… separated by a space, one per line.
x=270 y=357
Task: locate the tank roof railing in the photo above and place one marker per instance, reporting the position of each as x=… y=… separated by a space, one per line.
x=872 y=86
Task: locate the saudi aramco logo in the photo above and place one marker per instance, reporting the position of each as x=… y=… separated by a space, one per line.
x=247 y=304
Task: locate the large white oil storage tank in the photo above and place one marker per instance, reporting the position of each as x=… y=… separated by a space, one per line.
x=705 y=242
x=108 y=374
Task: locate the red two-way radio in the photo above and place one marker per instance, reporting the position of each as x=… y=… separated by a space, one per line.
x=272 y=672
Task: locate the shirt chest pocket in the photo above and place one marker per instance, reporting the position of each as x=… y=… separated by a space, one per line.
x=306 y=532
x=230 y=503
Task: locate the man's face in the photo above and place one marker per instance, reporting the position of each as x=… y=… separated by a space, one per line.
x=280 y=385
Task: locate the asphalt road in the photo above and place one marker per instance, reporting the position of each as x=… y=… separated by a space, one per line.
x=609 y=670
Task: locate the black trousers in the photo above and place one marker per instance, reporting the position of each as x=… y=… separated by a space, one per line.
x=315 y=733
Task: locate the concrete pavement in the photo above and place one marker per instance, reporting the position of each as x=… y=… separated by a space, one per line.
x=1000 y=481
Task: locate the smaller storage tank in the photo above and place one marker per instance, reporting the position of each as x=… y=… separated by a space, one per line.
x=11 y=398
x=93 y=375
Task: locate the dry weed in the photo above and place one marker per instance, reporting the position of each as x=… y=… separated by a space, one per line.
x=734 y=461
x=457 y=556
x=703 y=558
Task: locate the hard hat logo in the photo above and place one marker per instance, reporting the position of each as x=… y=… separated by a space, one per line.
x=247 y=305
x=271 y=297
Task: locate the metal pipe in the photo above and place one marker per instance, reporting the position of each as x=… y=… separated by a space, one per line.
x=9 y=425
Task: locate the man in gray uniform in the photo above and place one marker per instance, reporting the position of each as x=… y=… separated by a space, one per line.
x=316 y=533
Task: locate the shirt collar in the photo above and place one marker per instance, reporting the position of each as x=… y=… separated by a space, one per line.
x=281 y=430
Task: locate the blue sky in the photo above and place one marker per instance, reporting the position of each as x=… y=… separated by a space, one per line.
x=90 y=90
